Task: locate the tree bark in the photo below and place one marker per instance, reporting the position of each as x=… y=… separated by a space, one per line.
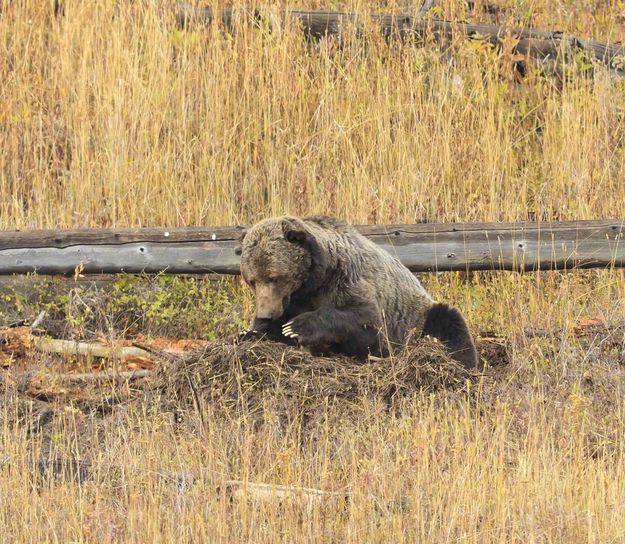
x=427 y=247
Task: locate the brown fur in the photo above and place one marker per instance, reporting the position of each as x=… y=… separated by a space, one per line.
x=320 y=282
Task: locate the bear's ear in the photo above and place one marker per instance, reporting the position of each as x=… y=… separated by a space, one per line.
x=239 y=249
x=294 y=232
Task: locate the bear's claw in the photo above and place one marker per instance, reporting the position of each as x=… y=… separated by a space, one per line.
x=287 y=330
x=246 y=335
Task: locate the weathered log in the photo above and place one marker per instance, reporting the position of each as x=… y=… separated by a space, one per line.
x=15 y=342
x=110 y=375
x=429 y=247
x=537 y=44
x=261 y=492
x=69 y=347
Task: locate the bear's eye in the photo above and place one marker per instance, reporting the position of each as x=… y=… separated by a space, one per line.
x=251 y=283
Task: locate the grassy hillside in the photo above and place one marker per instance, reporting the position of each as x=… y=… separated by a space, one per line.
x=110 y=116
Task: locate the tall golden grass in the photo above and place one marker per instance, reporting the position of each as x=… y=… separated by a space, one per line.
x=110 y=116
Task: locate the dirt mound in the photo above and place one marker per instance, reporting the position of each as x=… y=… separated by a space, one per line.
x=257 y=382
x=244 y=378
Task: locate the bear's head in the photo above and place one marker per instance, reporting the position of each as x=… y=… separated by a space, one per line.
x=275 y=263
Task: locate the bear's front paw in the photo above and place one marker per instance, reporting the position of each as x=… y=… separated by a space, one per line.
x=247 y=335
x=305 y=329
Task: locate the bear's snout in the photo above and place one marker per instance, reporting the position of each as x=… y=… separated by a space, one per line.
x=268 y=302
x=268 y=314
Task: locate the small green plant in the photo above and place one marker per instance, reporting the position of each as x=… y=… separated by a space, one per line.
x=166 y=305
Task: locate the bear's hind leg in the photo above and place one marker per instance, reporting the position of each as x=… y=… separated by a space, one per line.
x=447 y=324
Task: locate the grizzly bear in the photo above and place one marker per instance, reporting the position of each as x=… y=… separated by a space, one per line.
x=321 y=284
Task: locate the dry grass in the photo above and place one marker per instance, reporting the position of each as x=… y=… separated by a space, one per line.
x=109 y=116
x=529 y=452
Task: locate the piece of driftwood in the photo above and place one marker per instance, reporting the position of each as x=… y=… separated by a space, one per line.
x=38 y=320
x=261 y=492
x=69 y=347
x=429 y=247
x=15 y=342
x=537 y=44
x=109 y=375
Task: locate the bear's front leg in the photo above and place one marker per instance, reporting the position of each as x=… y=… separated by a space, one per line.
x=342 y=330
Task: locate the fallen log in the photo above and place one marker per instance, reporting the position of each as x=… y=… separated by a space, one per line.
x=128 y=354
x=16 y=342
x=430 y=247
x=262 y=492
x=540 y=45
x=110 y=375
